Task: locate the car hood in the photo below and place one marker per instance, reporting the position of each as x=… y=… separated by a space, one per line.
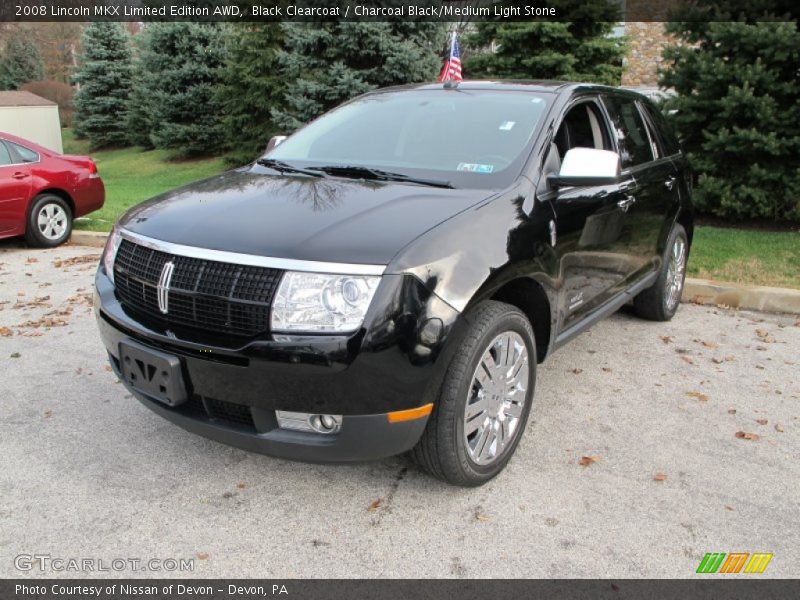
x=298 y=217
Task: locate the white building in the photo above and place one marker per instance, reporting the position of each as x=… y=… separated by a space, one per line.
x=31 y=117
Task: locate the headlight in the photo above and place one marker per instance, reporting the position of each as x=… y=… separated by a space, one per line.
x=110 y=252
x=322 y=303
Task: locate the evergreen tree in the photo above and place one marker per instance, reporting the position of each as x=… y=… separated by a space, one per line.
x=181 y=71
x=252 y=88
x=104 y=77
x=21 y=61
x=138 y=122
x=737 y=112
x=577 y=47
x=324 y=64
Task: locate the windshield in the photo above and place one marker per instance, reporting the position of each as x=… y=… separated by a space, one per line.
x=470 y=138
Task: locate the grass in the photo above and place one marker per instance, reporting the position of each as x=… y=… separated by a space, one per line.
x=132 y=175
x=746 y=256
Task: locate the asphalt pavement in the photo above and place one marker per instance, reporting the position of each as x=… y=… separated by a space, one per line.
x=649 y=445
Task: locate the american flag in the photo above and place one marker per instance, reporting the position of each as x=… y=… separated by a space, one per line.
x=452 y=64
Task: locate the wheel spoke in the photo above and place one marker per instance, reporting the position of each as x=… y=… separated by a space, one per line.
x=513 y=410
x=476 y=408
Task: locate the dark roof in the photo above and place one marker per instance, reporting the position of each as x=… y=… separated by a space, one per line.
x=23 y=99
x=541 y=86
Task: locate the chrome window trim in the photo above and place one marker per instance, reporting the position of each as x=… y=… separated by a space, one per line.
x=253 y=260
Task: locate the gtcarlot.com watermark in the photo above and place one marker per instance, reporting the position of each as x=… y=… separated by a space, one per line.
x=61 y=564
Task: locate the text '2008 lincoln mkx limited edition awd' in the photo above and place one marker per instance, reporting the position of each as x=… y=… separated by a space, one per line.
x=387 y=278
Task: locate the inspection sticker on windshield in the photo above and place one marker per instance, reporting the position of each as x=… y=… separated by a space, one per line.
x=475 y=168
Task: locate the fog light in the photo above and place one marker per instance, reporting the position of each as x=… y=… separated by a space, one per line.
x=315 y=423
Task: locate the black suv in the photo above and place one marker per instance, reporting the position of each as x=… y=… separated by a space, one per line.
x=387 y=278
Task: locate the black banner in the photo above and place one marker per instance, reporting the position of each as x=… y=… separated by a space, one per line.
x=449 y=589
x=387 y=10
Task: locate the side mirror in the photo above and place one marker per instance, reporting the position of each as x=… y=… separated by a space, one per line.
x=587 y=166
x=274 y=141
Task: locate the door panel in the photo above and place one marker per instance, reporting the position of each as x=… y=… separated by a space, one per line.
x=15 y=185
x=589 y=227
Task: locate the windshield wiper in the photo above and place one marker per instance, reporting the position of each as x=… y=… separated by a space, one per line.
x=282 y=167
x=378 y=175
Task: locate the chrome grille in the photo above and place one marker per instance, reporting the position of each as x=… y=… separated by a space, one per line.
x=213 y=296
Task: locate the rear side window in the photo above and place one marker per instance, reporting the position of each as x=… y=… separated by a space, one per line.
x=25 y=155
x=5 y=157
x=634 y=145
x=664 y=134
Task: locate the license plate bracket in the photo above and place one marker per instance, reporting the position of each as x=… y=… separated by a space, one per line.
x=152 y=372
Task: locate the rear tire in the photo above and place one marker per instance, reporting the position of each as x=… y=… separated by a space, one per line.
x=49 y=221
x=660 y=301
x=484 y=401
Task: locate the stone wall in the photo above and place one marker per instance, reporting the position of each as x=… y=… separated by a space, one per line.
x=646 y=42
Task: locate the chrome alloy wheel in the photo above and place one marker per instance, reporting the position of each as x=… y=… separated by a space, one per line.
x=496 y=398
x=675 y=272
x=52 y=221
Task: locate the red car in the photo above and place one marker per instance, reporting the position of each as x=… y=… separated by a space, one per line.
x=41 y=191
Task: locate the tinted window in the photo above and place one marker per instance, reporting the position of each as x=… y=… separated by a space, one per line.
x=583 y=127
x=5 y=157
x=472 y=138
x=24 y=153
x=669 y=144
x=634 y=145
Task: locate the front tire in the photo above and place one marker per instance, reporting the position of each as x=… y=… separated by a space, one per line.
x=660 y=301
x=485 y=399
x=49 y=221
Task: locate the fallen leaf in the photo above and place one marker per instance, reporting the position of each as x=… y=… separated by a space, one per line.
x=6 y=332
x=687 y=359
x=241 y=486
x=778 y=428
x=710 y=344
x=659 y=476
x=585 y=461
x=666 y=338
x=577 y=371
x=108 y=368
x=761 y=421
x=202 y=555
x=76 y=260
x=762 y=333
x=700 y=396
x=730 y=358
x=16 y=355
x=374 y=506
x=744 y=435
x=48 y=413
x=797 y=323
x=607 y=369
x=482 y=518
x=731 y=411
x=31 y=260
x=717 y=361
x=727 y=507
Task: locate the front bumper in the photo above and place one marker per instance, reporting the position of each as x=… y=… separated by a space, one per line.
x=388 y=366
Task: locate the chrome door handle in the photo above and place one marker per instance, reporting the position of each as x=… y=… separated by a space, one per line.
x=626 y=203
x=670 y=182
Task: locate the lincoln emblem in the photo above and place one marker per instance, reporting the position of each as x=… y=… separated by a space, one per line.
x=163 y=287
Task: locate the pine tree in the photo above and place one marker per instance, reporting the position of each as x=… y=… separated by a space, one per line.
x=104 y=77
x=181 y=63
x=21 y=61
x=325 y=64
x=138 y=122
x=252 y=87
x=577 y=47
x=737 y=112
